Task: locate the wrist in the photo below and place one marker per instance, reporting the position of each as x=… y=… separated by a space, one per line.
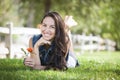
x=37 y=44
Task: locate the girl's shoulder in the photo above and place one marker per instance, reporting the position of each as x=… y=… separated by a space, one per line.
x=35 y=38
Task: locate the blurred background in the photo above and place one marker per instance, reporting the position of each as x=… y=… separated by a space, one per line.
x=94 y=24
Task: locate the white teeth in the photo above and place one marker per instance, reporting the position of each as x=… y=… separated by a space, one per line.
x=47 y=35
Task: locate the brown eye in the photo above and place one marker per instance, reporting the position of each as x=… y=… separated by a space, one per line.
x=52 y=27
x=44 y=25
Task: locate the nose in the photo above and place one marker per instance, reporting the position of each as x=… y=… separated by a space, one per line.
x=47 y=29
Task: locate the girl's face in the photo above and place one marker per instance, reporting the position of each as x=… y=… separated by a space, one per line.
x=48 y=28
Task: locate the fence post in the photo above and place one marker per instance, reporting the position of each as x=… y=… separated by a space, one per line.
x=9 y=39
x=91 y=43
x=98 y=43
x=82 y=43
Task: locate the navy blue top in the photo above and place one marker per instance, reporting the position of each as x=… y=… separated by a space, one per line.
x=44 y=53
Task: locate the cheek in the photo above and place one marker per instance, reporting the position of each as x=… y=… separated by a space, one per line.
x=54 y=33
x=42 y=30
x=53 y=36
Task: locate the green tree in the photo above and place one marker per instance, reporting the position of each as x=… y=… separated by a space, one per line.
x=99 y=17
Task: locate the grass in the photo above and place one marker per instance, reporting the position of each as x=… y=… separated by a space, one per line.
x=96 y=66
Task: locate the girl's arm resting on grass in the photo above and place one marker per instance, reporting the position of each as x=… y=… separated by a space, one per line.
x=30 y=62
x=37 y=60
x=35 y=56
x=39 y=67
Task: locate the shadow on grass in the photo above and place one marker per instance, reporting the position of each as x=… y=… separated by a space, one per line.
x=14 y=68
x=11 y=65
x=117 y=71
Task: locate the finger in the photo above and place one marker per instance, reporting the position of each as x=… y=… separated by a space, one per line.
x=28 y=62
x=47 y=42
x=31 y=65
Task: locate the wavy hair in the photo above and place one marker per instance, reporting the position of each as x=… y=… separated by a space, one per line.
x=57 y=60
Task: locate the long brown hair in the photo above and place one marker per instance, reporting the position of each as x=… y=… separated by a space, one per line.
x=57 y=60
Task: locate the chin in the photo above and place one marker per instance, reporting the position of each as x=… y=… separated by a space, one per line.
x=48 y=39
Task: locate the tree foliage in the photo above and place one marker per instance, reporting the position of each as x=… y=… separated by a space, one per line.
x=99 y=17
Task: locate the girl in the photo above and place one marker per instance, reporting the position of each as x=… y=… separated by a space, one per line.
x=51 y=48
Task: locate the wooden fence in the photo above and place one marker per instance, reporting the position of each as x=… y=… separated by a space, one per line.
x=8 y=32
x=92 y=43
x=82 y=42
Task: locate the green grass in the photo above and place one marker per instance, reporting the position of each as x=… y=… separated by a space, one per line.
x=96 y=66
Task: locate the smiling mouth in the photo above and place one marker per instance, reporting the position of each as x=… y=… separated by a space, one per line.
x=46 y=35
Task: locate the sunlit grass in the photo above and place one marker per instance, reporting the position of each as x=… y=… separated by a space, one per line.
x=95 y=66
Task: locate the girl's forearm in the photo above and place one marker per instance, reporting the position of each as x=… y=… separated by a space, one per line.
x=35 y=56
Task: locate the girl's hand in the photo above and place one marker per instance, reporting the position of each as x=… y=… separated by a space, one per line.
x=42 y=41
x=29 y=62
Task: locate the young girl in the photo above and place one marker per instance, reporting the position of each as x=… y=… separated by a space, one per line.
x=51 y=48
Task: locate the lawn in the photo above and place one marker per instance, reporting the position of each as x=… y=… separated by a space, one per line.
x=95 y=66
